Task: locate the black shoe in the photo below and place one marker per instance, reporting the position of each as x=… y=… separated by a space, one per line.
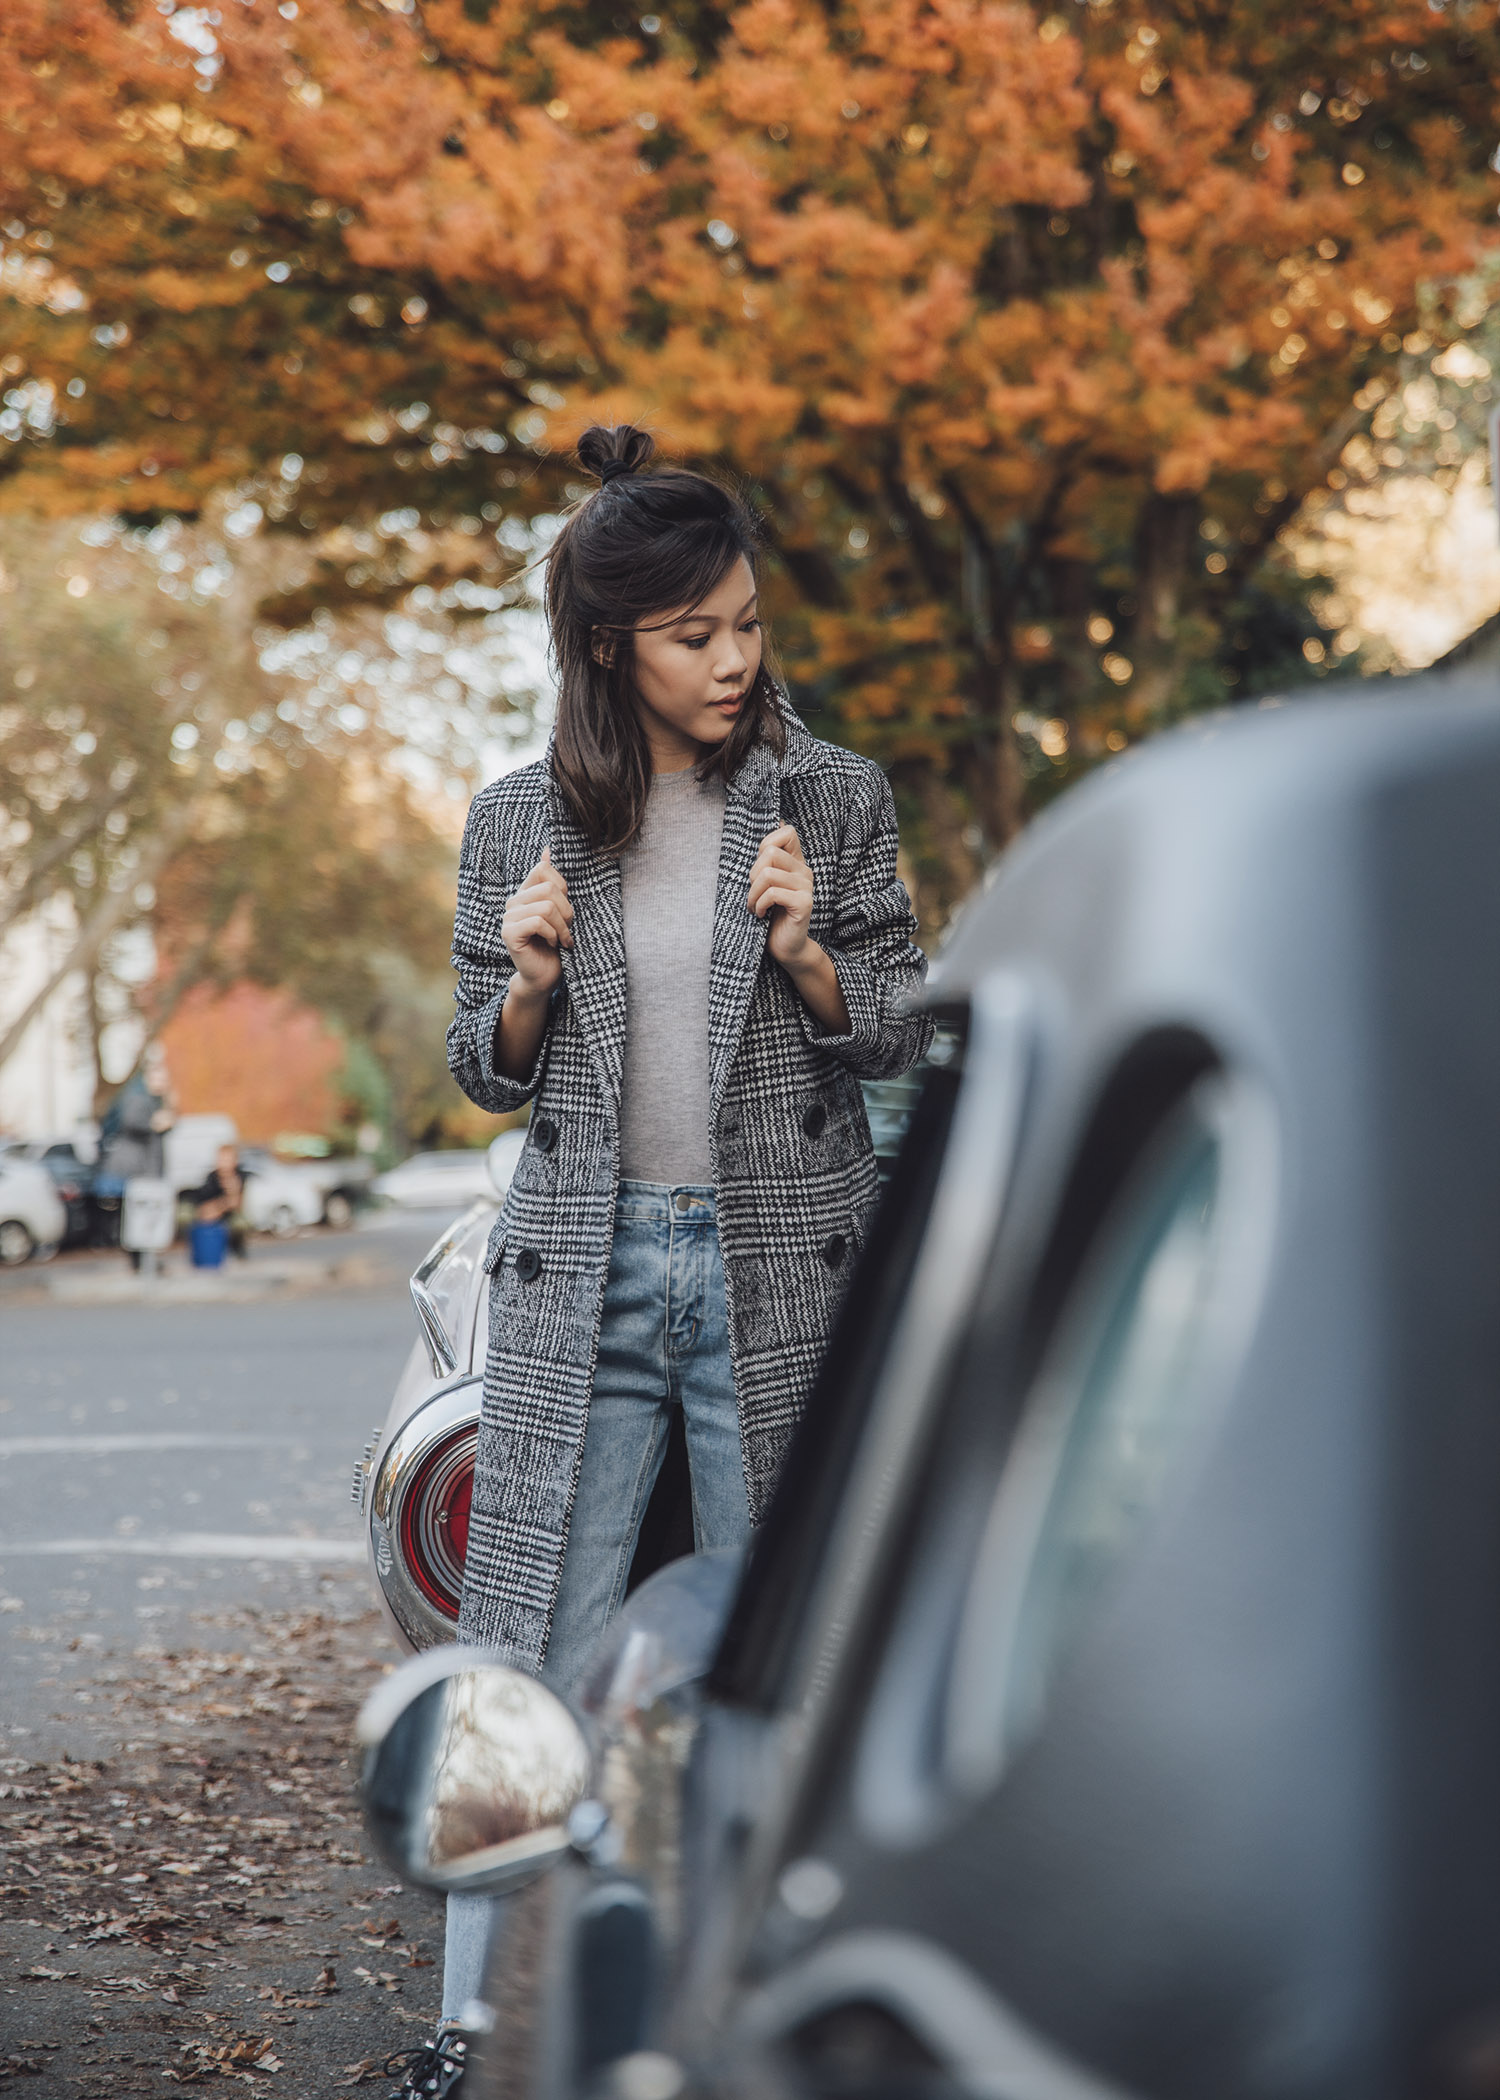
x=434 y=2071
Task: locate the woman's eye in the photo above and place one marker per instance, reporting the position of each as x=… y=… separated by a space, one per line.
x=750 y=626
x=695 y=641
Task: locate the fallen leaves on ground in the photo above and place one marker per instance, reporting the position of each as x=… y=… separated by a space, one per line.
x=162 y=1911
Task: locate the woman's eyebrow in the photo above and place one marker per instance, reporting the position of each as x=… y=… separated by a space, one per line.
x=683 y=619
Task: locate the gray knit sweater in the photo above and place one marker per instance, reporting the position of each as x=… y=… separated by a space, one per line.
x=669 y=879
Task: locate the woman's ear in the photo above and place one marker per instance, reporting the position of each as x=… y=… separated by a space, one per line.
x=605 y=647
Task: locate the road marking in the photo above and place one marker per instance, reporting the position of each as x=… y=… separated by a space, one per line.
x=102 y=1445
x=196 y=1545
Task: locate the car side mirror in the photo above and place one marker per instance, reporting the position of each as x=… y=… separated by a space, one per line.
x=471 y=1770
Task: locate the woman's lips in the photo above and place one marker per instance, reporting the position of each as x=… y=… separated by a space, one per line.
x=730 y=704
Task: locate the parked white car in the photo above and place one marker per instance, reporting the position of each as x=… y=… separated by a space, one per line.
x=191 y=1147
x=33 y=1217
x=278 y=1198
x=442 y=1180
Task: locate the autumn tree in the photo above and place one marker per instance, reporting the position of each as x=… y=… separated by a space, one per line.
x=1030 y=327
x=153 y=775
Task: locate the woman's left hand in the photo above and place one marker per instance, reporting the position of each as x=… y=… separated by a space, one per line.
x=781 y=883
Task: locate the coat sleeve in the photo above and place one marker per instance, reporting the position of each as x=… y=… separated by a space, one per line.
x=872 y=945
x=484 y=968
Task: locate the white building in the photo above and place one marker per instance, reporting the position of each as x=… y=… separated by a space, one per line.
x=47 y=1082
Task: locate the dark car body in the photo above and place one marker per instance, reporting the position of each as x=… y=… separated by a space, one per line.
x=1109 y=1705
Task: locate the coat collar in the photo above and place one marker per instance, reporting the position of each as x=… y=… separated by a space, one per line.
x=594 y=969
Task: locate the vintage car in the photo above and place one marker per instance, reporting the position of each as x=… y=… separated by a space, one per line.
x=1109 y=1704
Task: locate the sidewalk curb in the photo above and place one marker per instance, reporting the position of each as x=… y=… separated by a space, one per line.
x=239 y=1286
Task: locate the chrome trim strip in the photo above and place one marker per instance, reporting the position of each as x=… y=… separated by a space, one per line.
x=441 y=1353
x=442 y=1347
x=983 y=2046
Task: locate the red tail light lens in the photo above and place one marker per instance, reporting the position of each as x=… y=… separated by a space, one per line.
x=433 y=1530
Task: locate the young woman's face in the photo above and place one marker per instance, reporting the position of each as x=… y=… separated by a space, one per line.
x=694 y=671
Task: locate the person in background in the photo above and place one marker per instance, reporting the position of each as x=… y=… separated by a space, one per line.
x=220 y=1198
x=132 y=1141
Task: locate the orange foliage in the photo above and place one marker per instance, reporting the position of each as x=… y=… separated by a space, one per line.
x=993 y=304
x=258 y=1056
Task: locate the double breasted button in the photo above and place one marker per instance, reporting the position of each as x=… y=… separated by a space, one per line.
x=834 y=1250
x=543 y=1133
x=815 y=1121
x=528 y=1264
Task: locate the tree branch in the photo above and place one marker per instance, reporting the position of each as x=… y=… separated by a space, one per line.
x=107 y=917
x=35 y=889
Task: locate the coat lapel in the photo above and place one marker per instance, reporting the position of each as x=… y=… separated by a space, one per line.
x=594 y=967
x=752 y=808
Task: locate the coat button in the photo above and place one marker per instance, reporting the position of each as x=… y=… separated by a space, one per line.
x=834 y=1250
x=529 y=1264
x=543 y=1133
x=815 y=1121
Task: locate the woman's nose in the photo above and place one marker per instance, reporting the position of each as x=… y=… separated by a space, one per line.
x=732 y=664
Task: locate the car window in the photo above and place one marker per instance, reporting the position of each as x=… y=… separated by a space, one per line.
x=1037 y=1503
x=1112 y=1405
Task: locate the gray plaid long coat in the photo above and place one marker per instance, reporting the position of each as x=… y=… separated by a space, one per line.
x=793 y=1164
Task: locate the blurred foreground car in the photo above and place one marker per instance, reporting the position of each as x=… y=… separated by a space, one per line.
x=1108 y=1706
x=436 y=1180
x=33 y=1216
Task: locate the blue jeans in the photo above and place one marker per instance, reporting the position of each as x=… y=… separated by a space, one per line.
x=663 y=1343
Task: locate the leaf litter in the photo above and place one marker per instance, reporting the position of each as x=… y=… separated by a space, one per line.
x=195 y=1909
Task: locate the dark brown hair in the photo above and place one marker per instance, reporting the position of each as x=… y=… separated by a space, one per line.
x=643 y=547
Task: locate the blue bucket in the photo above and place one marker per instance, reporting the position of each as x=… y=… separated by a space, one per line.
x=209 y=1240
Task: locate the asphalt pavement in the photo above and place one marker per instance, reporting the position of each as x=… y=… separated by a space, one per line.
x=187 y=1629
x=163 y=1463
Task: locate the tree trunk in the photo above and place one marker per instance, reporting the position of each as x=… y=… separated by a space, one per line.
x=1164 y=548
x=102 y=1089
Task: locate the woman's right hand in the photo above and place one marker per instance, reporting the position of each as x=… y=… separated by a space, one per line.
x=537 y=926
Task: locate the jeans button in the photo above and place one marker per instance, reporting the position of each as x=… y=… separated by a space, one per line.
x=528 y=1264
x=683 y=1200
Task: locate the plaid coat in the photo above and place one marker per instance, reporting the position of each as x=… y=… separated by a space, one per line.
x=793 y=1164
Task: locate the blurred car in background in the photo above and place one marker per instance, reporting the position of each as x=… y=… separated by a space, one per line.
x=191 y=1148
x=277 y=1198
x=439 y=1180
x=33 y=1216
x=344 y=1185
x=282 y=1196
x=72 y=1176
x=889 y=1104
x=1106 y=1710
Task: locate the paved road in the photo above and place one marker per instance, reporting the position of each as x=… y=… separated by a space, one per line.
x=160 y=1465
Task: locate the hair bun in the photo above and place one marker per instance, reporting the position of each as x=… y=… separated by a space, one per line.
x=619 y=448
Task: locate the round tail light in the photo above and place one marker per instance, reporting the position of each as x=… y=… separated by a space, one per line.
x=434 y=1521
x=418 y=1513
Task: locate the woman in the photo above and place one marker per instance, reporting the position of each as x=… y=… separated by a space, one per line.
x=682 y=936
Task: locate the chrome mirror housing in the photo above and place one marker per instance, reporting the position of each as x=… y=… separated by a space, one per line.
x=471 y=1770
